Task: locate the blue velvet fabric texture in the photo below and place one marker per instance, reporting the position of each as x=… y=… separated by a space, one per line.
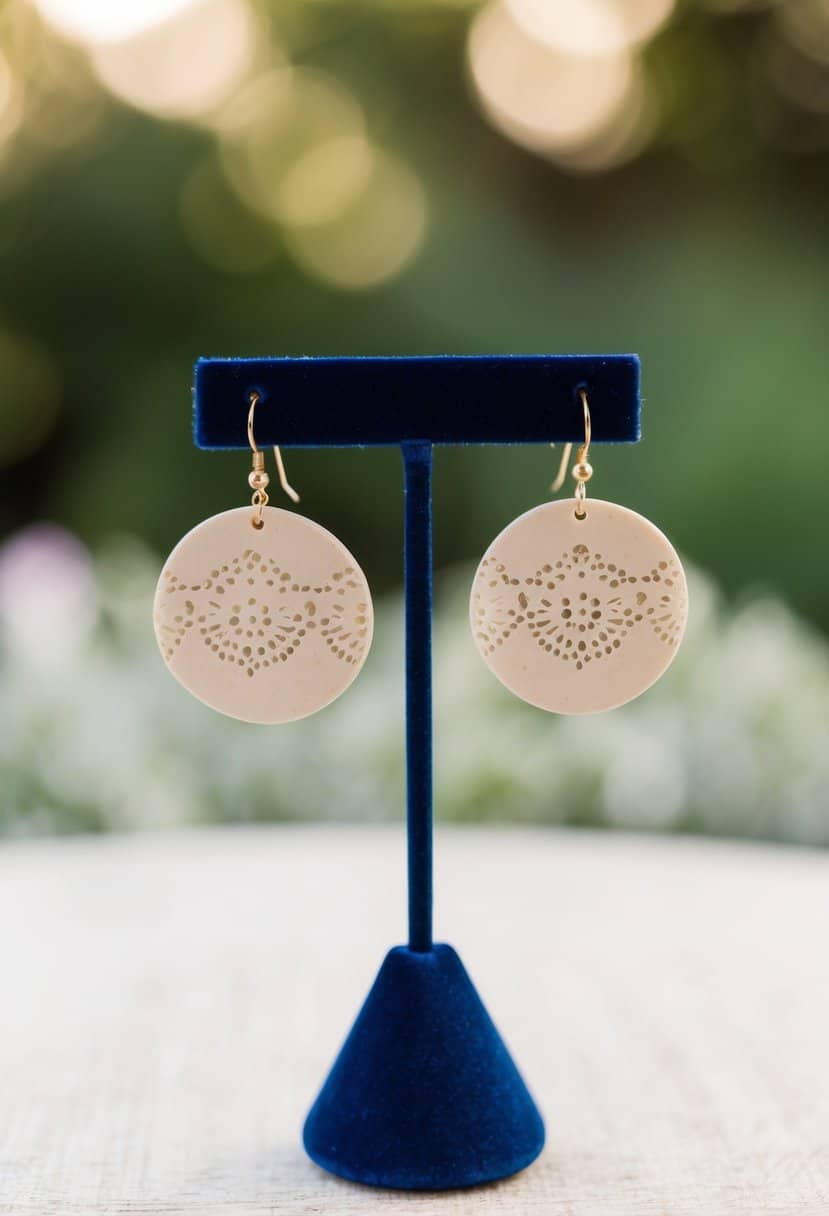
x=348 y=402
x=423 y=1095
x=417 y=461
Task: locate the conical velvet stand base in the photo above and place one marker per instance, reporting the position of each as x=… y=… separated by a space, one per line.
x=424 y=1094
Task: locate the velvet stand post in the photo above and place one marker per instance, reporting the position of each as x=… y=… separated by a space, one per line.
x=424 y=1094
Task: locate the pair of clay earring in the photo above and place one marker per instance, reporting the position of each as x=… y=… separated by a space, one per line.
x=265 y=616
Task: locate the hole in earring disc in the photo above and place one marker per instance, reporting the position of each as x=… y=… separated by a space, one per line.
x=258 y=524
x=580 y=517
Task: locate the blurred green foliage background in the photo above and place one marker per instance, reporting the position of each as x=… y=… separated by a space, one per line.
x=188 y=177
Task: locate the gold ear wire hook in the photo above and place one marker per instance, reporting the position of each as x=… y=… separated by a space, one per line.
x=258 y=478
x=588 y=428
x=558 y=482
x=582 y=470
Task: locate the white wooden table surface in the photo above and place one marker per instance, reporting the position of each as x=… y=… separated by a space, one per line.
x=169 y=1005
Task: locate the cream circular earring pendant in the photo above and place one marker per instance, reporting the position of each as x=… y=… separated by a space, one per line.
x=266 y=624
x=579 y=614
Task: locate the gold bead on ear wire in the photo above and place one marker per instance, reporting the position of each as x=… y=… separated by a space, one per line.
x=258 y=478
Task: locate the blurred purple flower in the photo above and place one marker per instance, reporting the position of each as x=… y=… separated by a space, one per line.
x=48 y=597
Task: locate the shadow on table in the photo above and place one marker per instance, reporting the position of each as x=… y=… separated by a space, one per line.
x=285 y=1180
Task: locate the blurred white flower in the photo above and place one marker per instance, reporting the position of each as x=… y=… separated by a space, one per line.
x=644 y=778
x=94 y=734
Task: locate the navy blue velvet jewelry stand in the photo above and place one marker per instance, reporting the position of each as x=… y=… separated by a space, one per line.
x=424 y=1094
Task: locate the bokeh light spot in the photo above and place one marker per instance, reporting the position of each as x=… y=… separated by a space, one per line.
x=590 y=27
x=805 y=24
x=374 y=238
x=274 y=125
x=545 y=100
x=185 y=67
x=621 y=140
x=107 y=20
x=324 y=181
x=11 y=101
x=5 y=83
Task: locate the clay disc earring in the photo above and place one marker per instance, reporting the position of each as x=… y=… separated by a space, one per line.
x=579 y=607
x=261 y=613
